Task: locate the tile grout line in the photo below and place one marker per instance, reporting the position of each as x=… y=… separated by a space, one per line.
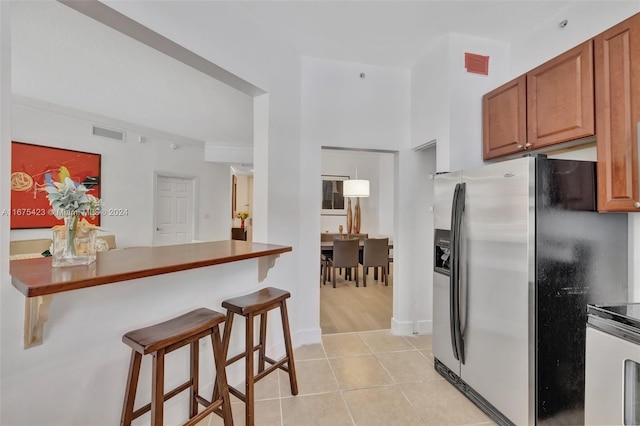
x=280 y=396
x=395 y=382
x=344 y=400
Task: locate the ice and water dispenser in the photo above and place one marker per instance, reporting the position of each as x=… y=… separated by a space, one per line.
x=442 y=251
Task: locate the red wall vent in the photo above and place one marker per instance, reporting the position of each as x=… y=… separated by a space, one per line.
x=476 y=64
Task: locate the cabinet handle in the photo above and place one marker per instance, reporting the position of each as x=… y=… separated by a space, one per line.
x=519 y=146
x=527 y=145
x=636 y=204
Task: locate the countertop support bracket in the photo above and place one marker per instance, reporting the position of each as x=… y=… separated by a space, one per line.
x=36 y=313
x=264 y=264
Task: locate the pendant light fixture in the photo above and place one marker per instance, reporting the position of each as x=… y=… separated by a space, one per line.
x=355 y=188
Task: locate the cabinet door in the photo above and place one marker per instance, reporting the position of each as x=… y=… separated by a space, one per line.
x=617 y=68
x=560 y=103
x=504 y=119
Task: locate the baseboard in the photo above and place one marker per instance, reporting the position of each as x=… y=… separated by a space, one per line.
x=307 y=337
x=425 y=327
x=401 y=328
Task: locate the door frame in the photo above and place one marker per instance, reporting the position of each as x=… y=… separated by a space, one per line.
x=195 y=185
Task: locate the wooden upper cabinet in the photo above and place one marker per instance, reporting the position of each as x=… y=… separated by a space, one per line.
x=617 y=73
x=504 y=119
x=560 y=104
x=551 y=104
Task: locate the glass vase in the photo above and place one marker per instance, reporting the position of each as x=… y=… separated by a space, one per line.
x=73 y=244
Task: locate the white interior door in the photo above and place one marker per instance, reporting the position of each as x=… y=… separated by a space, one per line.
x=174 y=207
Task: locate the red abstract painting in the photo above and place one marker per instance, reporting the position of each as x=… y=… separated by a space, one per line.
x=35 y=166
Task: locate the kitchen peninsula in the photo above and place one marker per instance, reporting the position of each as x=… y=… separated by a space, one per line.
x=38 y=280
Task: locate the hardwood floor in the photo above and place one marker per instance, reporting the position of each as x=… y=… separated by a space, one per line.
x=347 y=308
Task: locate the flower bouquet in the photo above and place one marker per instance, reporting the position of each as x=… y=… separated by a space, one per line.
x=73 y=242
x=242 y=216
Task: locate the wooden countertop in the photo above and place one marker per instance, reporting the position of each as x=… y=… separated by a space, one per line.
x=36 y=277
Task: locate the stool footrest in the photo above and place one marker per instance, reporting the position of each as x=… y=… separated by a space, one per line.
x=237 y=394
x=274 y=365
x=242 y=355
x=140 y=411
x=211 y=408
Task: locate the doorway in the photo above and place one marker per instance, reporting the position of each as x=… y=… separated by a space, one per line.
x=242 y=203
x=174 y=210
x=348 y=308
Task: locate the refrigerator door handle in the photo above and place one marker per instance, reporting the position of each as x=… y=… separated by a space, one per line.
x=460 y=205
x=453 y=275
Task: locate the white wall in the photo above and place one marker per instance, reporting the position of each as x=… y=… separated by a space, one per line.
x=342 y=110
x=430 y=103
x=127 y=171
x=466 y=91
x=447 y=100
x=386 y=194
x=377 y=209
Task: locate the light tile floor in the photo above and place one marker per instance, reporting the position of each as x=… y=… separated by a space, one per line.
x=368 y=378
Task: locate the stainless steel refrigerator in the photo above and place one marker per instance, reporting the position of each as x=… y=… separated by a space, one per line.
x=519 y=253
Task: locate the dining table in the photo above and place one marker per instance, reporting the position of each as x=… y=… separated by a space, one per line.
x=326 y=249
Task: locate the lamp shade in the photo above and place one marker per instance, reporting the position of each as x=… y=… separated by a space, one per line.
x=356 y=188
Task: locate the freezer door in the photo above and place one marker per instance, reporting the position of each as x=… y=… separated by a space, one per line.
x=442 y=349
x=444 y=185
x=497 y=263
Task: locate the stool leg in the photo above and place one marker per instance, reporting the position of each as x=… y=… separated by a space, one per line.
x=249 y=376
x=226 y=337
x=194 y=367
x=220 y=360
x=132 y=386
x=293 y=381
x=263 y=342
x=157 y=388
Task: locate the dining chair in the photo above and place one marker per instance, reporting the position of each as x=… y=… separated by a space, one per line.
x=376 y=255
x=325 y=255
x=325 y=274
x=345 y=255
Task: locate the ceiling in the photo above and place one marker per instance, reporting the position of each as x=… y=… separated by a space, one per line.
x=54 y=48
x=392 y=33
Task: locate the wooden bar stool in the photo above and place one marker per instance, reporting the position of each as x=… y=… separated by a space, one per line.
x=160 y=339
x=250 y=306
